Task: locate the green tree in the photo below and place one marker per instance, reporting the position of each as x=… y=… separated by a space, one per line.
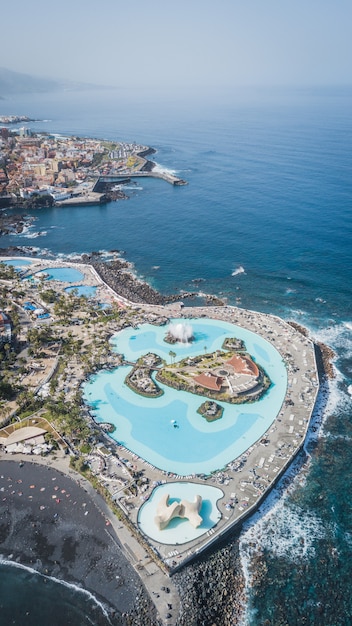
x=172 y=355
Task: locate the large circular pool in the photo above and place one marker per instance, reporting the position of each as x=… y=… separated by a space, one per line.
x=64 y=274
x=146 y=425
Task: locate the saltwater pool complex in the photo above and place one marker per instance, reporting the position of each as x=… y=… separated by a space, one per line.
x=146 y=426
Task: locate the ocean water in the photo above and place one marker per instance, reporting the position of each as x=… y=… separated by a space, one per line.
x=32 y=599
x=266 y=222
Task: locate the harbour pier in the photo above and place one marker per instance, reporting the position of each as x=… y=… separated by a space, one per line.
x=116 y=178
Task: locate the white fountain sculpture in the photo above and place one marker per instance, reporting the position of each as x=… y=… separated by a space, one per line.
x=181 y=332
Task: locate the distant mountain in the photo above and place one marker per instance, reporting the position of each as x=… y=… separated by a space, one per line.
x=15 y=83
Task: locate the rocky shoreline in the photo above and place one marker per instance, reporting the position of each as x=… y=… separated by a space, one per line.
x=35 y=202
x=324 y=354
x=14 y=224
x=212 y=591
x=325 y=357
x=119 y=276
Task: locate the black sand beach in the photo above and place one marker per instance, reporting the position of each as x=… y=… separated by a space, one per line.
x=49 y=522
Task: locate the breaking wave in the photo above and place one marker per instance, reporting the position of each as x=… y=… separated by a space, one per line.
x=160 y=169
x=238 y=270
x=34 y=235
x=70 y=586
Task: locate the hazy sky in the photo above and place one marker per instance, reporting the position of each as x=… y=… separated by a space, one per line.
x=180 y=42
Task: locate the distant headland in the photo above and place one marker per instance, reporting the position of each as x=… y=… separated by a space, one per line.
x=15 y=119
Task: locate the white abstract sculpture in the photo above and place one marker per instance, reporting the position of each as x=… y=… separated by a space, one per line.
x=184 y=509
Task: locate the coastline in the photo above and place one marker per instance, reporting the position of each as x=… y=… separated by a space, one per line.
x=203 y=565
x=67 y=537
x=118 y=275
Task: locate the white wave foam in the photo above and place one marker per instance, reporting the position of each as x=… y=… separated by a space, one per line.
x=32 y=235
x=77 y=256
x=338 y=337
x=26 y=228
x=238 y=270
x=286 y=532
x=161 y=169
x=349 y=390
x=282 y=530
x=42 y=233
x=73 y=256
x=280 y=527
x=34 y=250
x=71 y=586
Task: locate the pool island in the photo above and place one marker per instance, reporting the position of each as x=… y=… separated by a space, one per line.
x=211 y=411
x=222 y=376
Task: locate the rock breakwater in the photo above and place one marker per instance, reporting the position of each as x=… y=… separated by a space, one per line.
x=212 y=591
x=119 y=276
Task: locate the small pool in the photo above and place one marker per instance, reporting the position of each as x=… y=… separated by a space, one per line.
x=64 y=274
x=18 y=264
x=82 y=290
x=179 y=530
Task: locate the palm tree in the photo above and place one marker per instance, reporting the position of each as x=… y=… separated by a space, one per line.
x=172 y=355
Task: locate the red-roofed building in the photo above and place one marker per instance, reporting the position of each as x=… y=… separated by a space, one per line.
x=243 y=365
x=209 y=381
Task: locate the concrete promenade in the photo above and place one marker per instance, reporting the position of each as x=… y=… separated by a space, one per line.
x=246 y=481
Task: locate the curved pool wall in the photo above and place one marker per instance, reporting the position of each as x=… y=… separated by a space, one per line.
x=146 y=425
x=64 y=274
x=179 y=530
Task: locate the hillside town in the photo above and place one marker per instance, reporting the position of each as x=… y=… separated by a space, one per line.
x=59 y=169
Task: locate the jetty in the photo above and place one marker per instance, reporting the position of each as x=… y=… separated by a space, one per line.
x=116 y=178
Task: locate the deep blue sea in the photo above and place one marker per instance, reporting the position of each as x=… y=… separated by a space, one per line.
x=265 y=221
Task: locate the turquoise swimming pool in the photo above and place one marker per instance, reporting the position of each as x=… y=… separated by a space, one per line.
x=18 y=264
x=146 y=425
x=82 y=290
x=64 y=274
x=180 y=531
